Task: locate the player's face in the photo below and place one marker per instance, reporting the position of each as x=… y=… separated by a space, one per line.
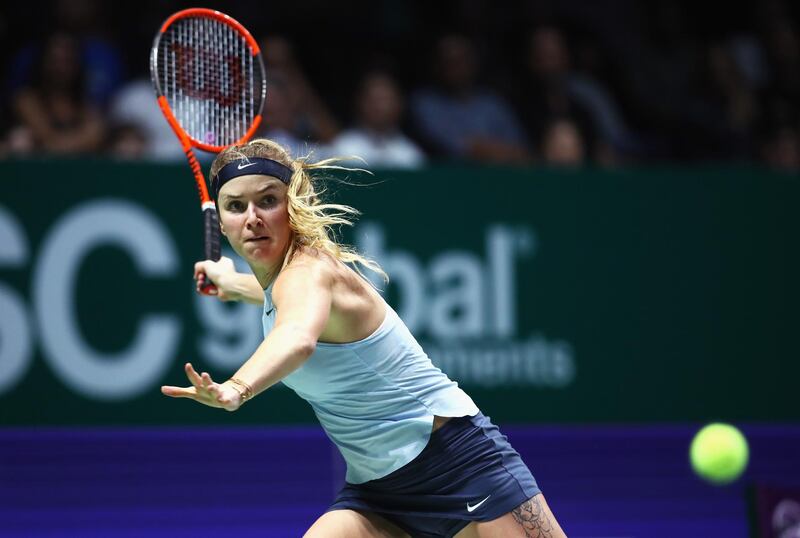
x=254 y=216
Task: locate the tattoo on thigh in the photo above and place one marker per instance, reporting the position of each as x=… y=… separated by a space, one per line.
x=533 y=519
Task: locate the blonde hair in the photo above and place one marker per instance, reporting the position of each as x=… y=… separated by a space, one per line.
x=311 y=220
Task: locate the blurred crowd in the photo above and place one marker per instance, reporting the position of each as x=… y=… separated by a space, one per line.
x=562 y=84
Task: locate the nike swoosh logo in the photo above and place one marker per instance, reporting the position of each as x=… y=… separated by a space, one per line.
x=271 y=310
x=241 y=166
x=475 y=507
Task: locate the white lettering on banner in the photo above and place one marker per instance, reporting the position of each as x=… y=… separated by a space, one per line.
x=463 y=303
x=456 y=308
x=467 y=308
x=480 y=303
x=231 y=331
x=16 y=341
x=535 y=362
x=500 y=249
x=109 y=376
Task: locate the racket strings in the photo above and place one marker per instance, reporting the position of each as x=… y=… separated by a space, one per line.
x=208 y=74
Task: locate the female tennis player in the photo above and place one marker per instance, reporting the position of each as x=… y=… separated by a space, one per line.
x=422 y=460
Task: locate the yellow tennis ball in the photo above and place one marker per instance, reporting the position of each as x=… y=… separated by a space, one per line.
x=719 y=453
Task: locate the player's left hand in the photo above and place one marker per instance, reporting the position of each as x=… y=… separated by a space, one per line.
x=206 y=391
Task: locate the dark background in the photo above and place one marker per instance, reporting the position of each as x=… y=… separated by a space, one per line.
x=676 y=71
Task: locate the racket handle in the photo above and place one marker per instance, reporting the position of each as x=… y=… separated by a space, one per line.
x=211 y=243
x=212 y=233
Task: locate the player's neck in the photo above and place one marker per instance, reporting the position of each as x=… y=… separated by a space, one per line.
x=266 y=274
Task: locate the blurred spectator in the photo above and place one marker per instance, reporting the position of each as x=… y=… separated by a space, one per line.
x=460 y=120
x=782 y=94
x=19 y=141
x=53 y=108
x=728 y=106
x=551 y=88
x=280 y=117
x=85 y=21
x=135 y=105
x=782 y=150
x=562 y=143
x=312 y=121
x=126 y=142
x=783 y=46
x=749 y=56
x=377 y=137
x=682 y=83
x=735 y=89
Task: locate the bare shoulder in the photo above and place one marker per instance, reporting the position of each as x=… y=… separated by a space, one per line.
x=308 y=269
x=355 y=309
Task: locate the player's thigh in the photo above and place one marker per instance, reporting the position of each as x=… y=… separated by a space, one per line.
x=352 y=524
x=531 y=519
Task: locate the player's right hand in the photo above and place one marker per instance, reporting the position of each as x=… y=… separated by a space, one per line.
x=220 y=274
x=205 y=391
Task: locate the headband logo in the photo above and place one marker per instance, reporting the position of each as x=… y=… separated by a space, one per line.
x=247 y=166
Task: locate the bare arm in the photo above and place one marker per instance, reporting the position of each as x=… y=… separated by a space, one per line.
x=303 y=298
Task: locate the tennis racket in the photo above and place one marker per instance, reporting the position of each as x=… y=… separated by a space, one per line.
x=209 y=78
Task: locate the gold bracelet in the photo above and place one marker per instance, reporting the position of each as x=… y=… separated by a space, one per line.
x=248 y=390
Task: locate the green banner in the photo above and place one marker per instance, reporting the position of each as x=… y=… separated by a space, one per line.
x=636 y=295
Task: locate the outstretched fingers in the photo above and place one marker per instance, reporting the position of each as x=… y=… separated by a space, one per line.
x=198 y=382
x=193 y=376
x=179 y=392
x=203 y=389
x=206 y=379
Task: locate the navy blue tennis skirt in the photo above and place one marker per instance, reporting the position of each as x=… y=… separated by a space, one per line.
x=467 y=472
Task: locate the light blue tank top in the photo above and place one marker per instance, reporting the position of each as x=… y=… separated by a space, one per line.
x=375 y=398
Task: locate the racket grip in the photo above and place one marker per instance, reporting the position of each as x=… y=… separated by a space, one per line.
x=212 y=233
x=211 y=244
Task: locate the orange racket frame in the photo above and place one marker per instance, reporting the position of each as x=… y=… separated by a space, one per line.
x=210 y=217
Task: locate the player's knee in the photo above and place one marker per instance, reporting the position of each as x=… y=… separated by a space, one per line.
x=352 y=524
x=328 y=524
